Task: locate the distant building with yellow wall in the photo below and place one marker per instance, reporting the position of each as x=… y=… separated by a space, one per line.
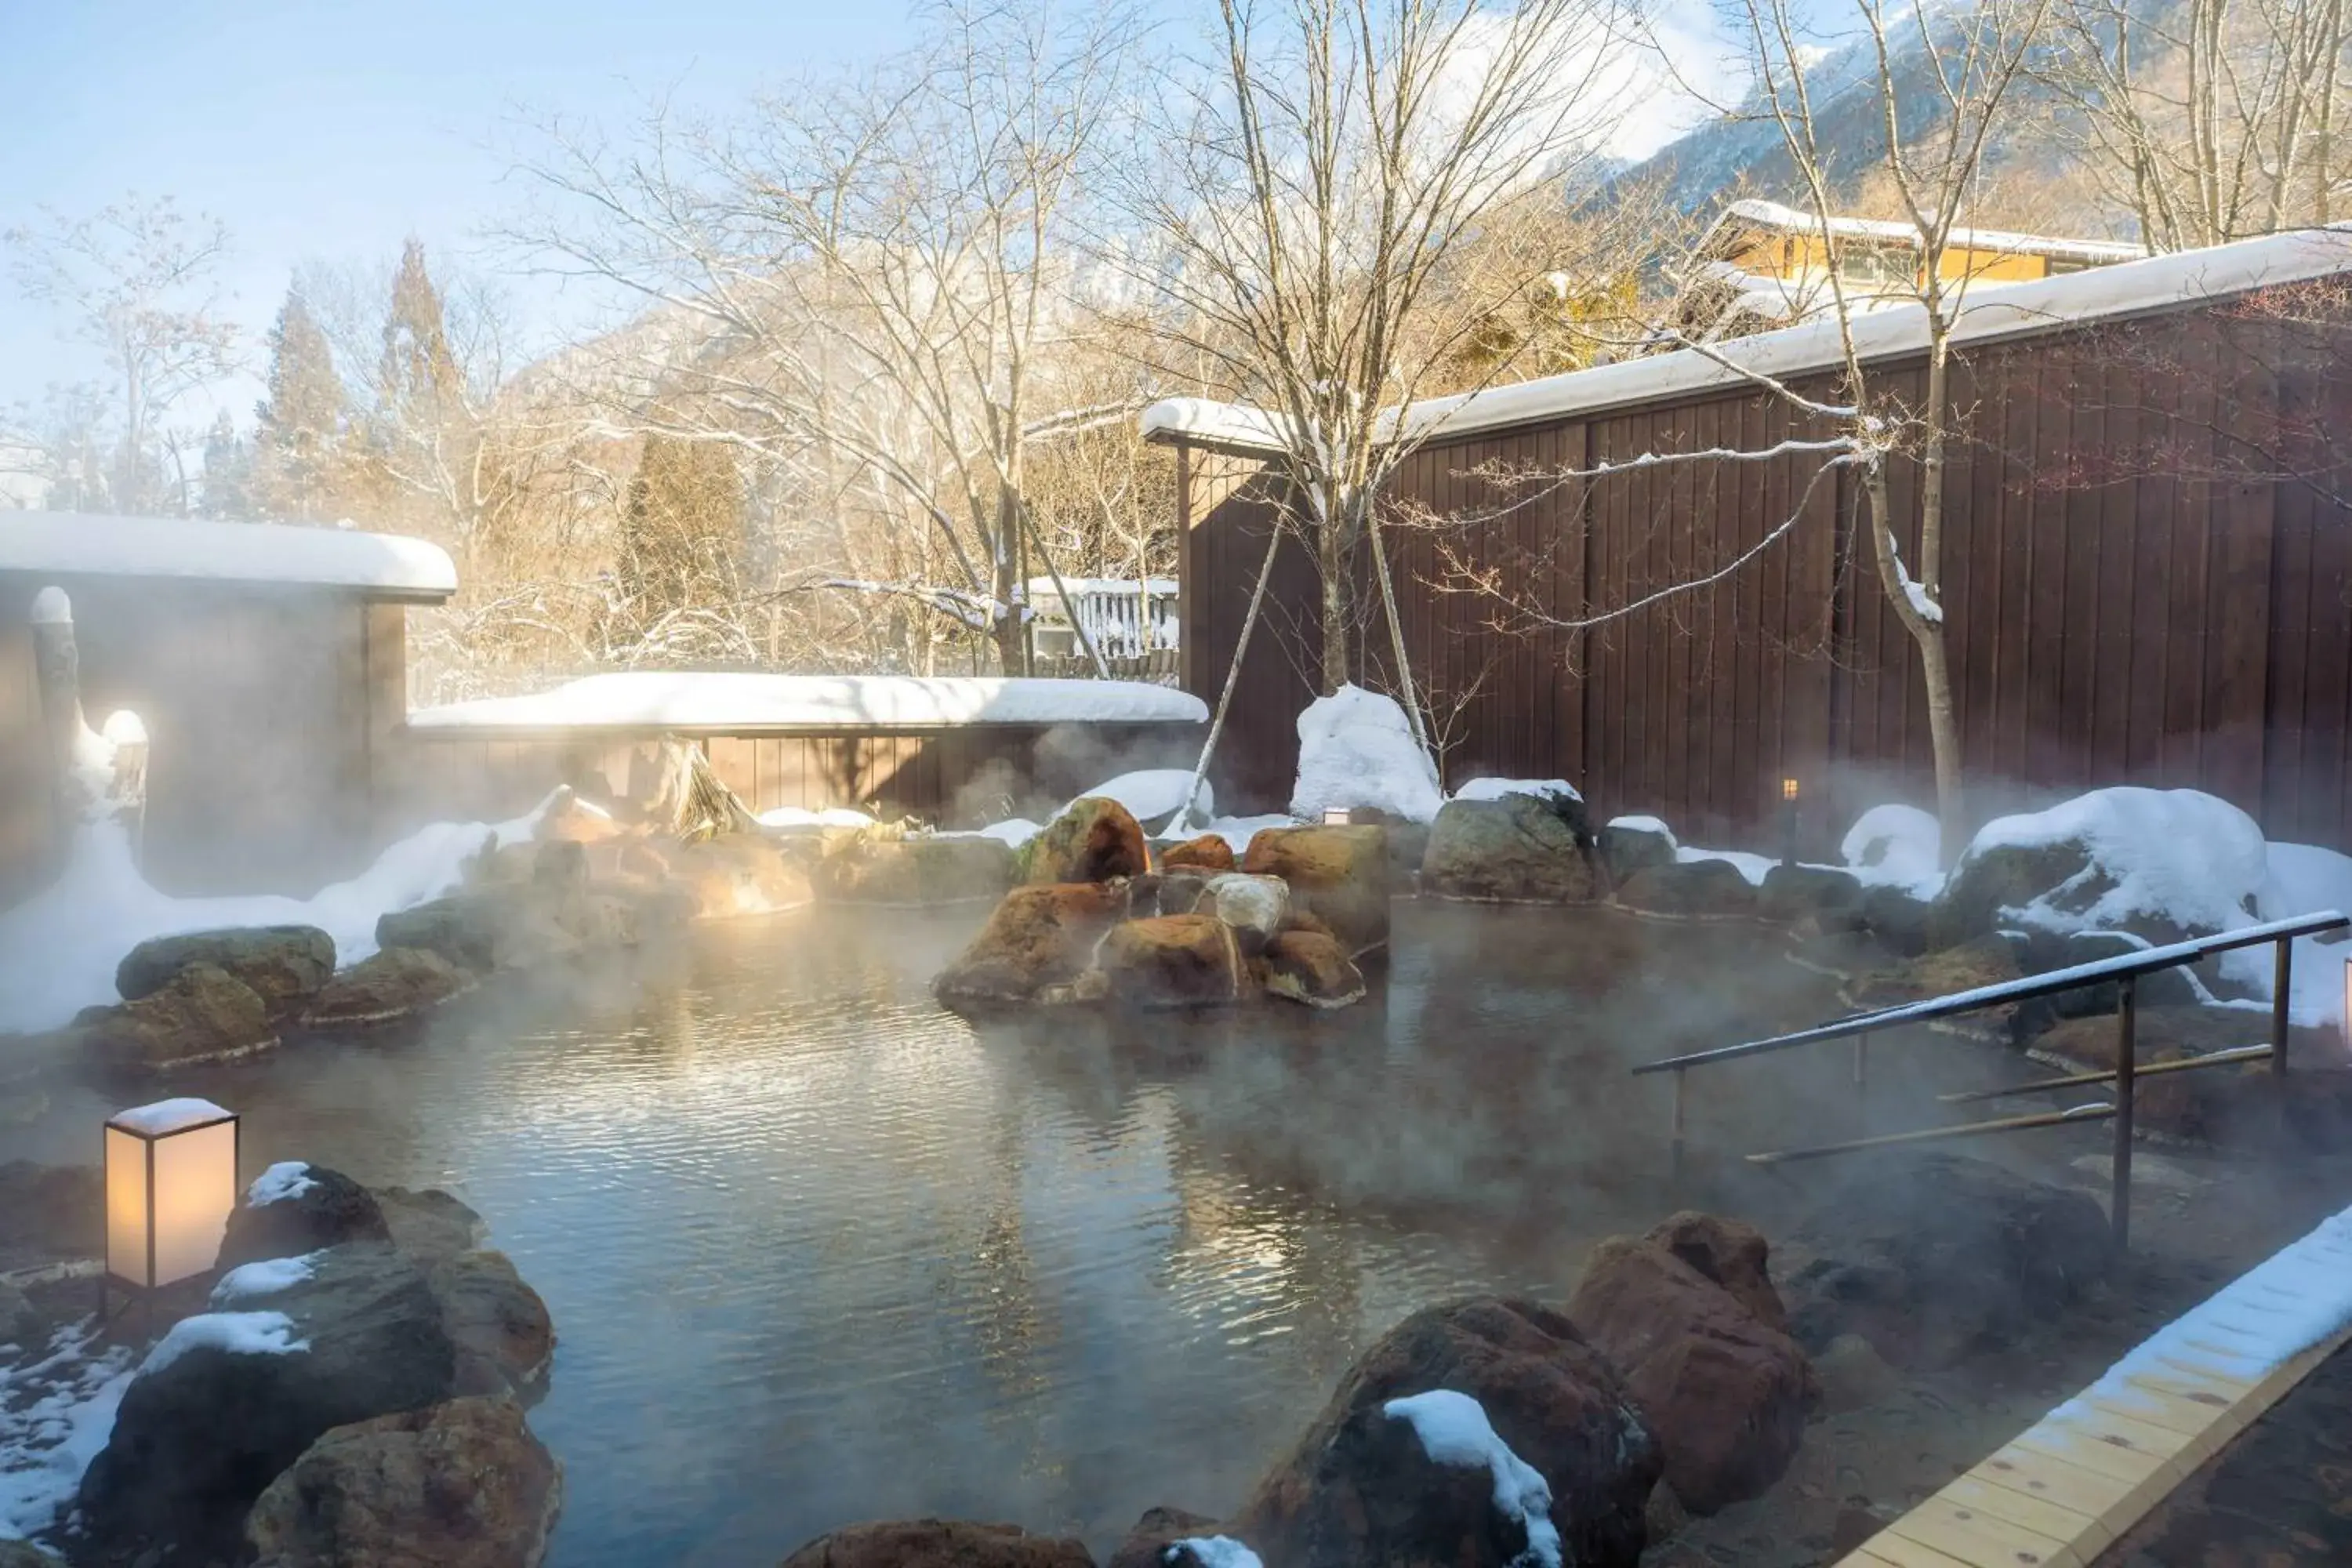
x=1762 y=264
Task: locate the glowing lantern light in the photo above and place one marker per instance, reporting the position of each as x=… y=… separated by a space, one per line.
x=1787 y=789
x=170 y=1183
x=1338 y=815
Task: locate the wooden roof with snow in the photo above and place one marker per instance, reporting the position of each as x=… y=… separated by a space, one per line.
x=84 y=544
x=2146 y=287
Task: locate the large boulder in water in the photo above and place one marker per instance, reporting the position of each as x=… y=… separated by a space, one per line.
x=1631 y=844
x=915 y=869
x=1173 y=960
x=499 y=1326
x=1253 y=907
x=1338 y=875
x=462 y=1484
x=939 y=1543
x=229 y=1399
x=395 y=984
x=292 y=1209
x=203 y=1013
x=1725 y=1392
x=1310 y=967
x=1038 y=937
x=1934 y=1256
x=1519 y=849
x=1095 y=841
x=1210 y=853
x=1690 y=889
x=281 y=965
x=1361 y=1485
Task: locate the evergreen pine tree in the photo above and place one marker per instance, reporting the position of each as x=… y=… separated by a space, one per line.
x=419 y=375
x=683 y=527
x=228 y=472
x=301 y=429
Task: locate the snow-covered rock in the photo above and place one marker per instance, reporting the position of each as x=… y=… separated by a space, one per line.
x=1496 y=789
x=1895 y=846
x=1356 y=749
x=1154 y=796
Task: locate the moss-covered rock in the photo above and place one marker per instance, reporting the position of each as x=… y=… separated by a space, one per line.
x=1093 y=841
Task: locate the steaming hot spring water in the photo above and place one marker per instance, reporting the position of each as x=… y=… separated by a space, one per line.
x=819 y=1251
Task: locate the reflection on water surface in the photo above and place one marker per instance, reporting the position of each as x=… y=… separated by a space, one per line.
x=818 y=1251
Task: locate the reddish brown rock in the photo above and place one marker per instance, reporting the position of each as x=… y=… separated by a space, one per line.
x=1733 y=1255
x=1359 y=1489
x=462 y=1484
x=1146 y=1546
x=1209 y=853
x=498 y=1324
x=1308 y=966
x=939 y=1544
x=1173 y=960
x=1095 y=841
x=1039 y=936
x=1725 y=1394
x=1338 y=875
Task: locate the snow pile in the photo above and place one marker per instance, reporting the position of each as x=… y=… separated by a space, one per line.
x=1356 y=749
x=800 y=816
x=56 y=1414
x=238 y=1334
x=1156 y=794
x=59 y=948
x=1237 y=831
x=1895 y=846
x=287 y=1179
x=1647 y=825
x=1013 y=830
x=1454 y=1430
x=2303 y=880
x=1496 y=789
x=1213 y=1551
x=725 y=700
x=265 y=1278
x=2179 y=854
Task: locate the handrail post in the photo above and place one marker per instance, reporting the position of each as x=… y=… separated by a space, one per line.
x=2127 y=1051
x=2281 y=978
x=1861 y=1070
x=1675 y=1167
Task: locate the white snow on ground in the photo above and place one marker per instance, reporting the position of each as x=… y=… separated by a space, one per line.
x=1752 y=866
x=1646 y=825
x=167 y=1116
x=2303 y=880
x=1015 y=831
x=1214 y=1551
x=1153 y=795
x=1903 y=847
x=265 y=1278
x=83 y=544
x=1454 y=1430
x=1496 y=789
x=286 y=1179
x=2295 y=1298
x=1355 y=748
x=800 y=816
x=56 y=1413
x=2180 y=854
x=238 y=1334
x=722 y=700
x=59 y=949
x=1238 y=831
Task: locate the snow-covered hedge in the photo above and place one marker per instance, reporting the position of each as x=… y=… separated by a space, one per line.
x=1355 y=748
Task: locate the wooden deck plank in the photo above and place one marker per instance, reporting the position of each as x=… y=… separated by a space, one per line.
x=2030 y=1511
x=1886 y=1549
x=1982 y=1538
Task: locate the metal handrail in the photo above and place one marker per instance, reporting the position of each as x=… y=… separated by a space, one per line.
x=2121 y=966
x=2125 y=969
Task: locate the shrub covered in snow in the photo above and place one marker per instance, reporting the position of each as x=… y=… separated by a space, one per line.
x=1895 y=846
x=1355 y=748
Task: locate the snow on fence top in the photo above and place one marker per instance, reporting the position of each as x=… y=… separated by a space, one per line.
x=2014 y=310
x=1761 y=214
x=731 y=702
x=80 y=545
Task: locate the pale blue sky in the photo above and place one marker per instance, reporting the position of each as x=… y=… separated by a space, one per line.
x=333 y=130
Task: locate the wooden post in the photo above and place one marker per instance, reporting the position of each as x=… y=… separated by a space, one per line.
x=1862 y=1069
x=2120 y=1199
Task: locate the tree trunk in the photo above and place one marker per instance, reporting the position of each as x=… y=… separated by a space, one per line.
x=1935 y=669
x=1396 y=642
x=1331 y=559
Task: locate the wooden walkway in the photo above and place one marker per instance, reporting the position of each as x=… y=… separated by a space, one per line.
x=2067 y=1488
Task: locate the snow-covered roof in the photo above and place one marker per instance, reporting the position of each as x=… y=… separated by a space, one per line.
x=2020 y=310
x=739 y=702
x=1756 y=214
x=1205 y=422
x=1159 y=587
x=72 y=543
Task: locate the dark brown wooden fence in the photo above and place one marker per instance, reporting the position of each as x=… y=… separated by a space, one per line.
x=2148 y=580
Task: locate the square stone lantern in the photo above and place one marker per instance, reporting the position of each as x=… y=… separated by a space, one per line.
x=170 y=1185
